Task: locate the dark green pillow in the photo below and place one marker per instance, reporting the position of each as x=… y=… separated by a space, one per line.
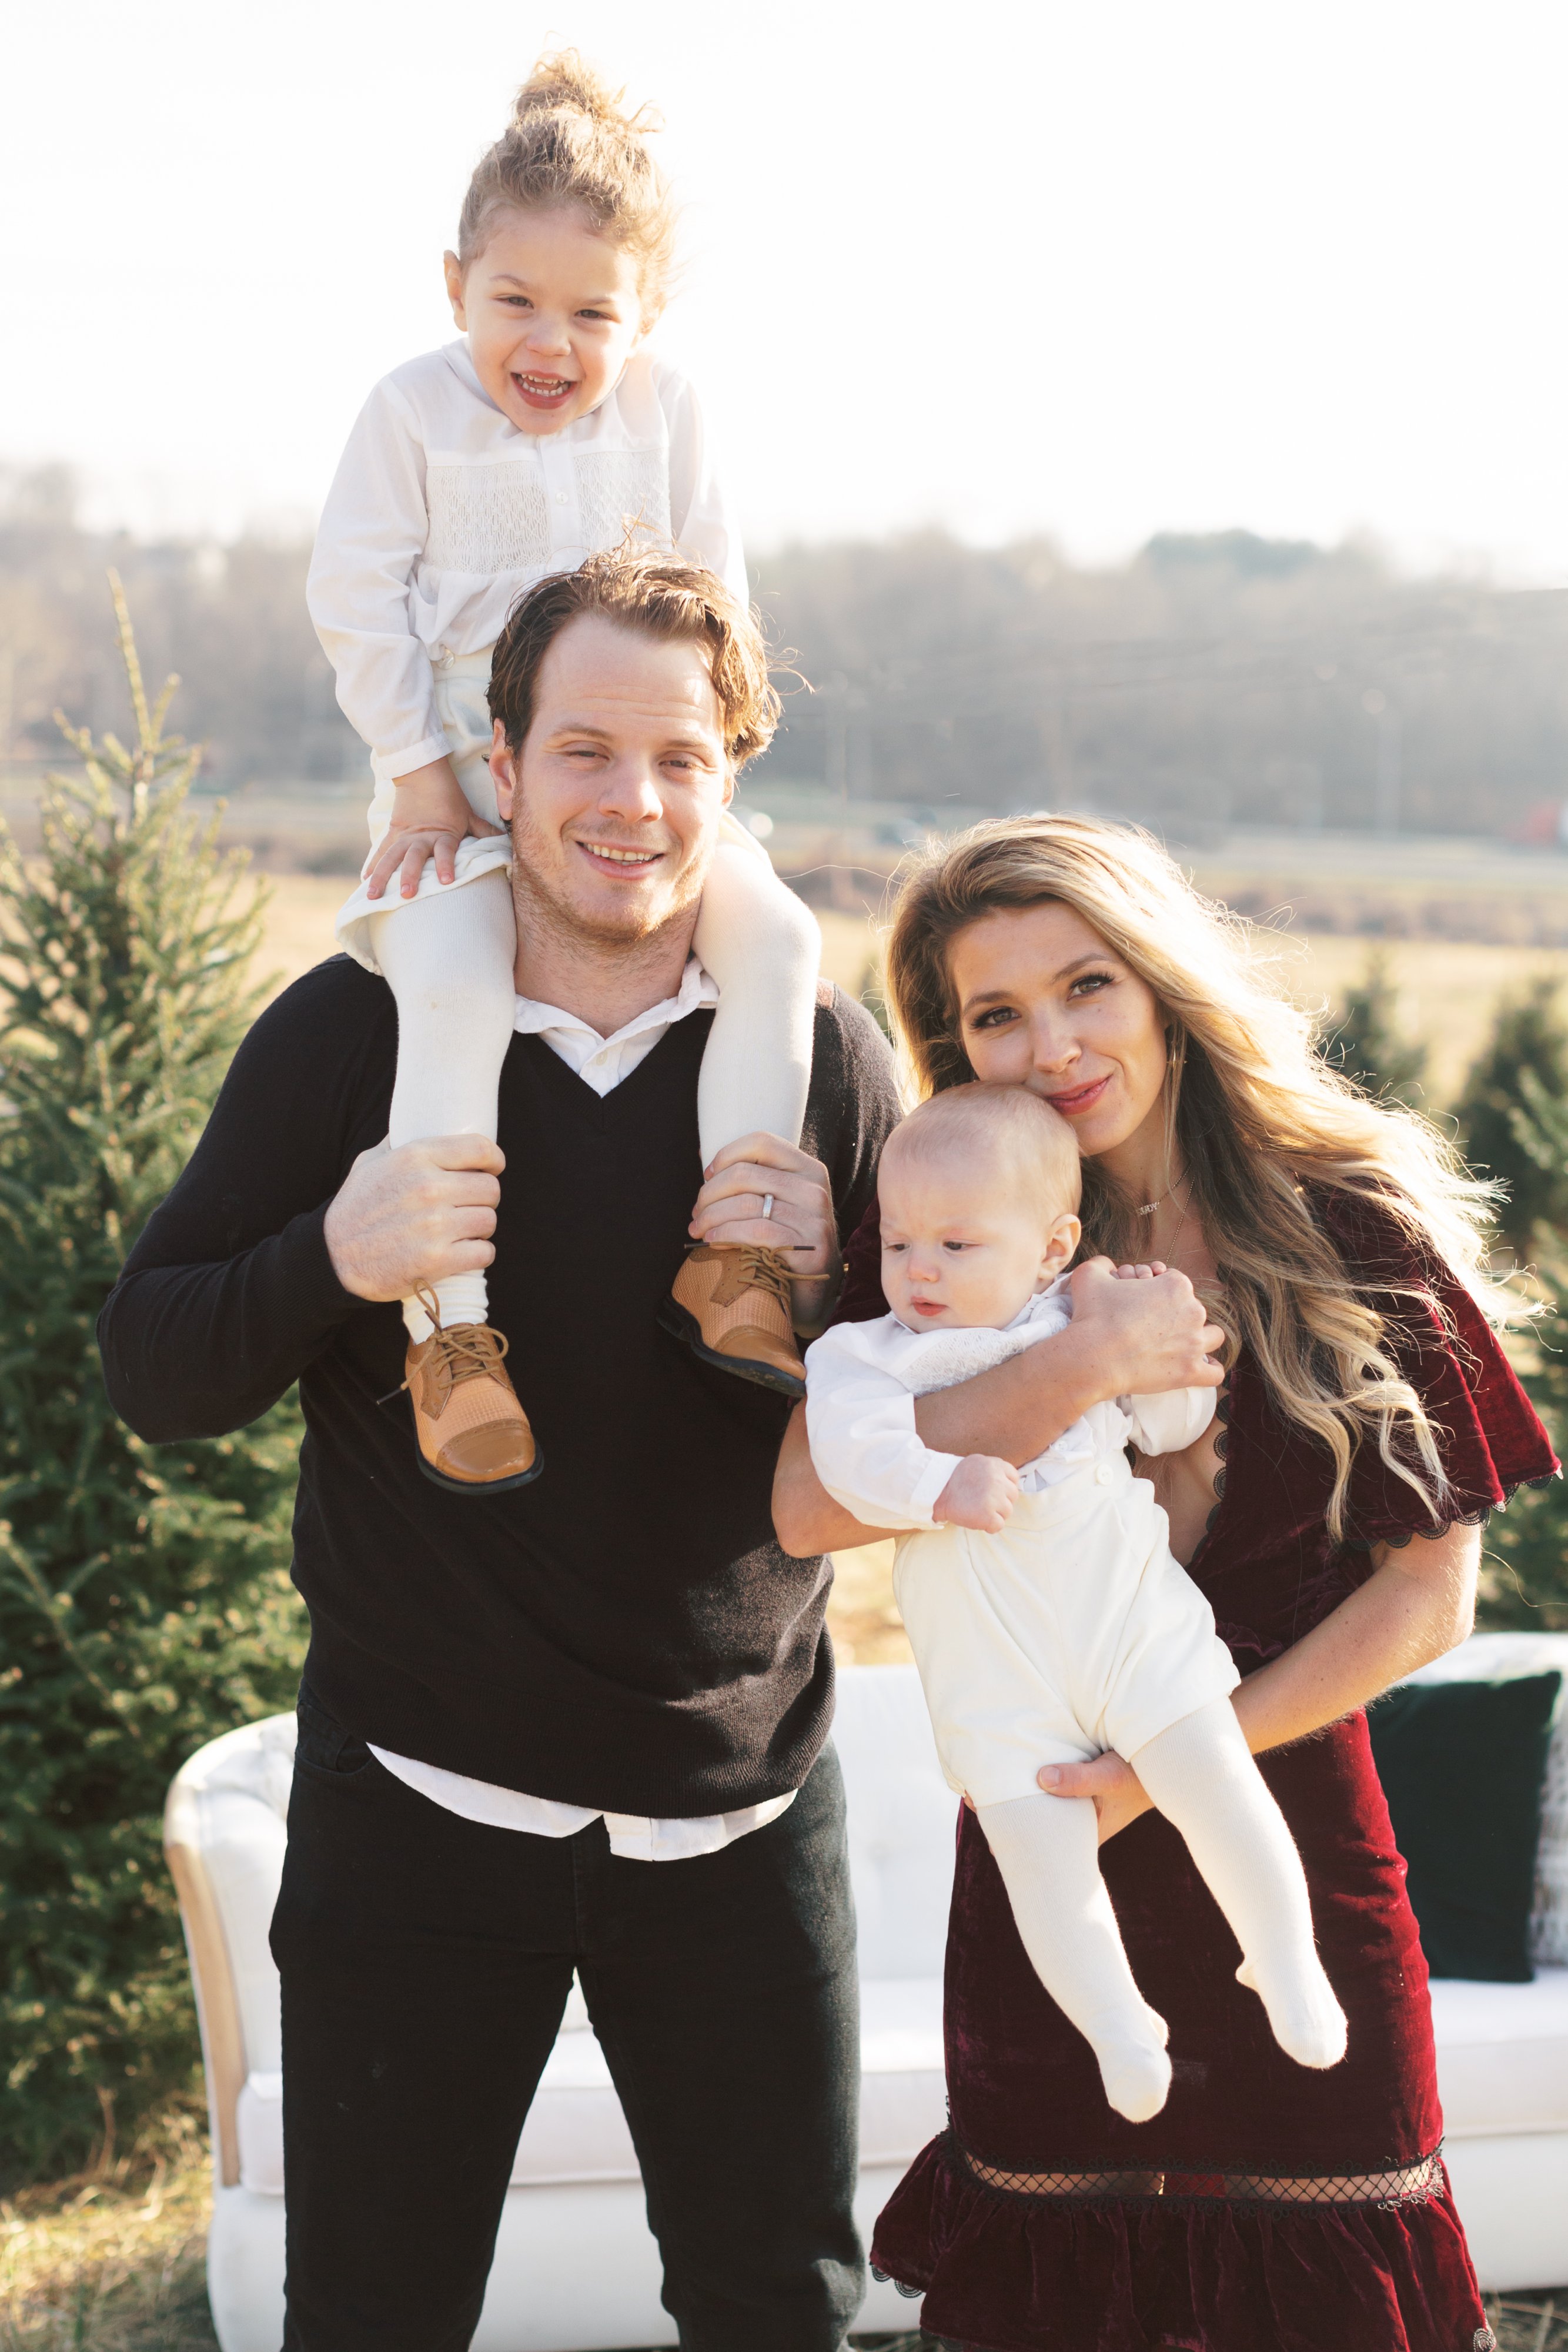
x=1461 y=1765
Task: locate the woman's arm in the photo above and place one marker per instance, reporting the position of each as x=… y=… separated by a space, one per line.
x=1418 y=1603
x=805 y=1516
x=1143 y=1336
x=1124 y=1338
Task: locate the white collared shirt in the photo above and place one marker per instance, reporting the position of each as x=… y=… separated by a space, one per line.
x=600 y=1062
x=443 y=512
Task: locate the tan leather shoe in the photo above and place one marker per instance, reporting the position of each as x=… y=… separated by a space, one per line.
x=731 y=1306
x=473 y=1436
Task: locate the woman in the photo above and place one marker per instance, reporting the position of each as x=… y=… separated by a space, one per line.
x=1332 y=1515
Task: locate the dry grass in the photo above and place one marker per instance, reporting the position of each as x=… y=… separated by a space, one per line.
x=114 y=2261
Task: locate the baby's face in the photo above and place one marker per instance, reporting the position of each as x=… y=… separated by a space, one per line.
x=958 y=1252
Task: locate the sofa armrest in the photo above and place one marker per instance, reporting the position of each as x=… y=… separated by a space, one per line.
x=217 y=2007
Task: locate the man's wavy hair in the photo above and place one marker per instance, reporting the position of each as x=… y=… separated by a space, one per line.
x=1256 y=1118
x=657 y=594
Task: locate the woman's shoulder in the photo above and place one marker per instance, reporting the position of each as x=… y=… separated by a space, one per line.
x=1488 y=1433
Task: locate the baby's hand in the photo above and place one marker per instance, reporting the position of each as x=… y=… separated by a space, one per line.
x=430 y=817
x=1140 y=1273
x=980 y=1494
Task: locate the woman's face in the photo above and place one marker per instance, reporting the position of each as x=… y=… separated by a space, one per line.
x=1044 y=1002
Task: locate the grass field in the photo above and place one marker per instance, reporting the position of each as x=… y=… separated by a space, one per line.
x=1447 y=991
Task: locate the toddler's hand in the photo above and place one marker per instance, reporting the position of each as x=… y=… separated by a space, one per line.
x=430 y=817
x=980 y=1494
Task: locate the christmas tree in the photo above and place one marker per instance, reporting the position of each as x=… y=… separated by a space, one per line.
x=144 y=1600
x=1366 y=1045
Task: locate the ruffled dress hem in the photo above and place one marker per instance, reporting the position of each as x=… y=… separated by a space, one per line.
x=1002 y=2272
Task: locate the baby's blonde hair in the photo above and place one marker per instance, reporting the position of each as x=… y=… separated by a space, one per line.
x=1000 y=1131
x=571 y=144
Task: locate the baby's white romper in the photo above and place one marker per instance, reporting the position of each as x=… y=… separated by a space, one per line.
x=1071 y=1633
x=440 y=515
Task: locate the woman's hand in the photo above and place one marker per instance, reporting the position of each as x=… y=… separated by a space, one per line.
x=1110 y=1782
x=761 y=1172
x=430 y=816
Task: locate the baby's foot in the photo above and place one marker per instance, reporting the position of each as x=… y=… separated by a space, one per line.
x=473 y=1436
x=1306 y=2019
x=1137 y=2079
x=1133 y=2067
x=731 y=1304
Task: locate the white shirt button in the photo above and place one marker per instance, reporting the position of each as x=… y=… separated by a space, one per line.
x=1103 y=1474
x=560 y=498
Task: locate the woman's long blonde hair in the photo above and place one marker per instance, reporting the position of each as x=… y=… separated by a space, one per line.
x=1252 y=1113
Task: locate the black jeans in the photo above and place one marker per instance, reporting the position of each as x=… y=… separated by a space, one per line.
x=426 y=1963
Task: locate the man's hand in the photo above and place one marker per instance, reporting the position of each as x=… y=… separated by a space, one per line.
x=417 y=1215
x=430 y=816
x=980 y=1494
x=1115 y=1789
x=801 y=1225
x=1147 y=1327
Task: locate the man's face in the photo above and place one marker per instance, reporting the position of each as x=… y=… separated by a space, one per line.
x=615 y=798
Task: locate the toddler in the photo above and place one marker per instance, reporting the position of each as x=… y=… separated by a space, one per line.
x=1048 y=1617
x=547 y=432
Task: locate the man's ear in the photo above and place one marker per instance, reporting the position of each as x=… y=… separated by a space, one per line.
x=728 y=783
x=454 y=268
x=503 y=769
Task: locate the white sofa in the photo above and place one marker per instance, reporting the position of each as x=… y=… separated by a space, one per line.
x=576 y=2269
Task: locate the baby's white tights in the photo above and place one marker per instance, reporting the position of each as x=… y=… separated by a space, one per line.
x=1202 y=1778
x=449 y=958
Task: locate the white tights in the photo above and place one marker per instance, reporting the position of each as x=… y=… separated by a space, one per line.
x=1202 y=1778
x=448 y=957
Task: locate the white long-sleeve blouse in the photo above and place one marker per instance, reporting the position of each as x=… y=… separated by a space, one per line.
x=442 y=512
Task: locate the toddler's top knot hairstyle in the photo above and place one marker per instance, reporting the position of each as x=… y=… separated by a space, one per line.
x=571 y=143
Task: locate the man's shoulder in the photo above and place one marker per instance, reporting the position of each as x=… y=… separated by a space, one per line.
x=844 y=1026
x=328 y=1017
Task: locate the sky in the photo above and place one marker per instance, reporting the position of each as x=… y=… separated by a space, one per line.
x=1095 y=269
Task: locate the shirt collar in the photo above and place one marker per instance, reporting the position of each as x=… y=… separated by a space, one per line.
x=697 y=990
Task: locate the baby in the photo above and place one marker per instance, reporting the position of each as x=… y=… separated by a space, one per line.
x=1048 y=1617
x=547 y=432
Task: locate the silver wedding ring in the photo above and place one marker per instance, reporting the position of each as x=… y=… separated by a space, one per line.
x=768 y=1204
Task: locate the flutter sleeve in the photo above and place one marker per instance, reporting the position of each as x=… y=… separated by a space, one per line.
x=1488 y=1436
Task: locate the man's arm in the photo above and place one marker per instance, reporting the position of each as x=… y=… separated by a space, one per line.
x=265 y=1246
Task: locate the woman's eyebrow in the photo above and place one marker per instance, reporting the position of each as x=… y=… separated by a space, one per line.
x=1065 y=971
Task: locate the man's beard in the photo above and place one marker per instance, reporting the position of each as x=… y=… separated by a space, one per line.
x=551 y=909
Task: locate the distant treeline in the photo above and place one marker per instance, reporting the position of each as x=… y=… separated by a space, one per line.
x=1211 y=680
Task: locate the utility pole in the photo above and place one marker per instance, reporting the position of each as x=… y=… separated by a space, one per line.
x=836 y=752
x=1390 y=759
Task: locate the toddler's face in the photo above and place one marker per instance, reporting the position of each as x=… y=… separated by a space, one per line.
x=553 y=314
x=958 y=1252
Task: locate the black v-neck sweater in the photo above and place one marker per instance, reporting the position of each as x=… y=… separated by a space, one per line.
x=626 y=1632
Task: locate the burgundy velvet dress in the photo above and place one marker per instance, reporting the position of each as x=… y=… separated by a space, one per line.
x=1268 y=2207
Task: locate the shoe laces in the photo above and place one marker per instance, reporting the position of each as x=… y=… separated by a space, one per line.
x=750 y=1266
x=460 y=1352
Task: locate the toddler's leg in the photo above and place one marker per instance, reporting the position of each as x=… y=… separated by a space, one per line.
x=1046 y=1849
x=762 y=947
x=448 y=961
x=733 y=1306
x=1203 y=1778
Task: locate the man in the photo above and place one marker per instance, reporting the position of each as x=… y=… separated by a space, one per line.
x=579 y=1725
